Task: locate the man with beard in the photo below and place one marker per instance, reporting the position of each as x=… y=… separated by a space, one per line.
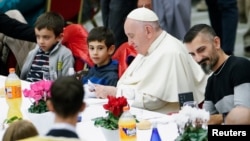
x=229 y=83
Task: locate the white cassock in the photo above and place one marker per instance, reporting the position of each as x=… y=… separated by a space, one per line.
x=154 y=81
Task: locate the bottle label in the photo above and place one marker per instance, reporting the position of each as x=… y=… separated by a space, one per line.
x=13 y=92
x=127 y=132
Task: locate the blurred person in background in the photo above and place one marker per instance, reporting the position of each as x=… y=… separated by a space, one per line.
x=244 y=17
x=223 y=15
x=13 y=31
x=29 y=9
x=114 y=13
x=174 y=15
x=20 y=129
x=201 y=6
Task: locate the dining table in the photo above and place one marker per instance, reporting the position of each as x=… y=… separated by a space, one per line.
x=85 y=128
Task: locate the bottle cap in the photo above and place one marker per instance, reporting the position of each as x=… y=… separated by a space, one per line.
x=11 y=69
x=126 y=108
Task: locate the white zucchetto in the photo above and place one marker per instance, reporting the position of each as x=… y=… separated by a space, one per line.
x=143 y=14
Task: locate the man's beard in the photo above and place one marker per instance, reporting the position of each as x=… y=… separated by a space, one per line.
x=206 y=68
x=208 y=64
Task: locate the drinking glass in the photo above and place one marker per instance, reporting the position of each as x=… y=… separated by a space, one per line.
x=50 y=75
x=53 y=75
x=191 y=104
x=46 y=75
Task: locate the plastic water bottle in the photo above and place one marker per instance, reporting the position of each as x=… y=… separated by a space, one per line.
x=127 y=126
x=71 y=72
x=13 y=94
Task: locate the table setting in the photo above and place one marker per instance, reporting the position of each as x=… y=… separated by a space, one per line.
x=87 y=131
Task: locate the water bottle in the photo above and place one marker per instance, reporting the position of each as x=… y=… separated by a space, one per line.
x=155 y=136
x=71 y=72
x=127 y=126
x=13 y=94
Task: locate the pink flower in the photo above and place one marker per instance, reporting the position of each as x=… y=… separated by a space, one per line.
x=38 y=90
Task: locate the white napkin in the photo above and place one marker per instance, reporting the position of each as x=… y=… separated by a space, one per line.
x=91 y=86
x=89 y=90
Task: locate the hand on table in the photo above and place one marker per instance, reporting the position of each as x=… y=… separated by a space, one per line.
x=215 y=119
x=102 y=91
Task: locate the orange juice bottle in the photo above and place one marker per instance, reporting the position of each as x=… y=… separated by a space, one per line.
x=127 y=126
x=13 y=94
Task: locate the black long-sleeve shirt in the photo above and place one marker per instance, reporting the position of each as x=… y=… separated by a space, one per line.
x=15 y=29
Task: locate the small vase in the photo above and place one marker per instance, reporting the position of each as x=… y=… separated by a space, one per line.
x=110 y=135
x=42 y=121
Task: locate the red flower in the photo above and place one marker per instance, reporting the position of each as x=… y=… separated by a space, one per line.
x=114 y=109
x=115 y=105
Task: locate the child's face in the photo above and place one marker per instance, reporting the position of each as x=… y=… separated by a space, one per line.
x=99 y=52
x=46 y=38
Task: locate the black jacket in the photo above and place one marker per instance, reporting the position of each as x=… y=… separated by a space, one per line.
x=62 y=133
x=15 y=29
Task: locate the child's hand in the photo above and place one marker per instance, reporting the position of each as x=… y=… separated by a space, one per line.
x=91 y=86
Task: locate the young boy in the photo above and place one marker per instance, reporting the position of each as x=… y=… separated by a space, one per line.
x=49 y=55
x=101 y=48
x=66 y=102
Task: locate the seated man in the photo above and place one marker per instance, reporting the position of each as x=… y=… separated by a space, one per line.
x=161 y=70
x=49 y=55
x=229 y=82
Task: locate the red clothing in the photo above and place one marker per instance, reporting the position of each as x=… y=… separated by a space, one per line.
x=75 y=38
x=124 y=55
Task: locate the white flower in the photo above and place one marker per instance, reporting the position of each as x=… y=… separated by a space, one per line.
x=191 y=116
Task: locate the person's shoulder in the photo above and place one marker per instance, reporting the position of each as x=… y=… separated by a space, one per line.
x=34 y=50
x=50 y=138
x=64 y=49
x=3 y=16
x=239 y=60
x=114 y=62
x=62 y=46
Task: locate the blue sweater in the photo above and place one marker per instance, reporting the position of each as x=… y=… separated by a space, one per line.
x=104 y=75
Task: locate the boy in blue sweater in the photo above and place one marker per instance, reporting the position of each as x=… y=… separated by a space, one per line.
x=101 y=48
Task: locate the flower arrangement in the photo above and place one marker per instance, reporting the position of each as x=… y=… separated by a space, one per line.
x=39 y=92
x=114 y=109
x=192 y=124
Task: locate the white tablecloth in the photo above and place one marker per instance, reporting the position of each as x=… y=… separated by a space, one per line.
x=86 y=129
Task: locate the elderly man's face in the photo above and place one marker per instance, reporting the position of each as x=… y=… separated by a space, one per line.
x=137 y=36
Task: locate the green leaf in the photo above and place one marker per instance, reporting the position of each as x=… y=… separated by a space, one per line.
x=109 y=122
x=193 y=134
x=12 y=119
x=41 y=107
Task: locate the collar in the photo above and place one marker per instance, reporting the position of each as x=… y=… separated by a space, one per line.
x=64 y=126
x=157 y=41
x=51 y=49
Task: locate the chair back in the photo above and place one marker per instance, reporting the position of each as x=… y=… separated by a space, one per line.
x=75 y=38
x=124 y=55
x=70 y=10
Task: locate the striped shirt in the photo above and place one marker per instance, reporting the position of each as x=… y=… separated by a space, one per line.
x=39 y=66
